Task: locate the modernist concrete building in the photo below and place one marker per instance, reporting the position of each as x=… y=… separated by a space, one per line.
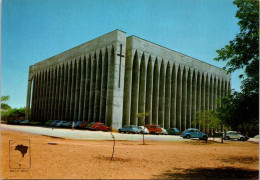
x=113 y=78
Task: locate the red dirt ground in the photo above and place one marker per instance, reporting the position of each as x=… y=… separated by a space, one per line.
x=79 y=159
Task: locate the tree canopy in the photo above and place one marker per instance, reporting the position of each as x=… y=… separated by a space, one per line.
x=240 y=109
x=5 y=106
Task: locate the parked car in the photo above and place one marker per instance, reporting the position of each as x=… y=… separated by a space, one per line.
x=66 y=124
x=60 y=123
x=54 y=122
x=83 y=125
x=25 y=122
x=234 y=135
x=193 y=133
x=90 y=124
x=143 y=130
x=98 y=126
x=154 y=129
x=77 y=124
x=17 y=122
x=173 y=131
x=164 y=132
x=129 y=129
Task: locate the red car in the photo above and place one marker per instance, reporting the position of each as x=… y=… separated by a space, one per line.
x=99 y=126
x=83 y=125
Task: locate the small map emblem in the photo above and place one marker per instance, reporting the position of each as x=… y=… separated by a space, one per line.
x=20 y=154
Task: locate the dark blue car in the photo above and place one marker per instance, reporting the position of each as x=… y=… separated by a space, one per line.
x=193 y=133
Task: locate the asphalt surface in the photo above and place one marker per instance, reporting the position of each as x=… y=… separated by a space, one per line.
x=96 y=135
x=87 y=134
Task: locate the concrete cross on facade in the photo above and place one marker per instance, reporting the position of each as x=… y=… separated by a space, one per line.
x=120 y=55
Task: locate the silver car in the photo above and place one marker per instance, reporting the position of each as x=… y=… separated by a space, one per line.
x=164 y=132
x=143 y=129
x=234 y=135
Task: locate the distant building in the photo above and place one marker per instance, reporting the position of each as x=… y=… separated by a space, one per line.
x=112 y=78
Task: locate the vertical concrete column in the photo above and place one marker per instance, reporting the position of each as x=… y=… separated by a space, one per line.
x=216 y=92
x=82 y=88
x=184 y=99
x=127 y=85
x=77 y=88
x=47 y=79
x=33 y=98
x=142 y=84
x=198 y=96
x=224 y=88
x=92 y=89
x=60 y=91
x=42 y=96
x=119 y=80
x=54 y=74
x=87 y=89
x=161 y=95
x=73 y=89
x=68 y=94
x=167 y=97
x=98 y=88
x=135 y=89
x=229 y=87
x=110 y=85
x=173 y=96
x=57 y=91
x=194 y=99
x=155 y=92
x=149 y=91
x=219 y=91
x=35 y=109
x=203 y=95
x=189 y=99
x=64 y=91
x=49 y=94
x=104 y=87
x=211 y=106
x=207 y=92
x=179 y=98
x=28 y=100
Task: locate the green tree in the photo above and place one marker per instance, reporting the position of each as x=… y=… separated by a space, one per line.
x=207 y=119
x=5 y=106
x=240 y=109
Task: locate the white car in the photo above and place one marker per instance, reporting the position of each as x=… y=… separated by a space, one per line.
x=143 y=129
x=234 y=135
x=164 y=132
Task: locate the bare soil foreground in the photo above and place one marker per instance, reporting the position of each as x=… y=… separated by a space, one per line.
x=57 y=158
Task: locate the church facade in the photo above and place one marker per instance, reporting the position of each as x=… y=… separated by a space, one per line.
x=113 y=78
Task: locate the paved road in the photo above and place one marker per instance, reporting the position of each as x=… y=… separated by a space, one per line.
x=96 y=135
x=85 y=134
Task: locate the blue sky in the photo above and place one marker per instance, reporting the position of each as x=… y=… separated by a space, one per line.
x=33 y=30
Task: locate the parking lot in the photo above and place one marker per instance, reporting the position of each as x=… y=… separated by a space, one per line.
x=88 y=135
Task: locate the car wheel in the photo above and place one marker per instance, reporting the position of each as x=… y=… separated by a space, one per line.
x=204 y=138
x=119 y=131
x=97 y=129
x=227 y=138
x=188 y=136
x=242 y=139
